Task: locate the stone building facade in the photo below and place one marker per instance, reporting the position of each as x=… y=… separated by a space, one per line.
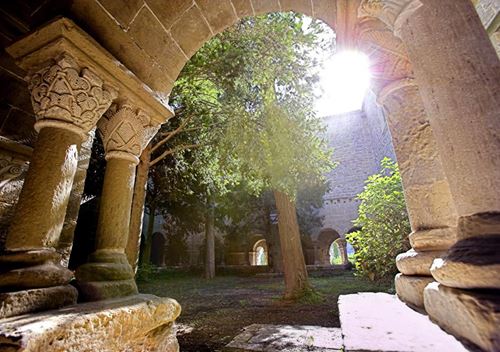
x=360 y=140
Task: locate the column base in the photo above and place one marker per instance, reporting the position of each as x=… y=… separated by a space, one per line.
x=138 y=323
x=417 y=263
x=410 y=289
x=471 y=263
x=472 y=316
x=100 y=290
x=433 y=239
x=35 y=300
x=107 y=275
x=20 y=270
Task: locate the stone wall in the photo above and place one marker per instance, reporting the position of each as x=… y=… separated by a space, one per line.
x=360 y=140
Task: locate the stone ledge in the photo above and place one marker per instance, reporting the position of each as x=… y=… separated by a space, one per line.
x=380 y=322
x=474 y=316
x=136 y=323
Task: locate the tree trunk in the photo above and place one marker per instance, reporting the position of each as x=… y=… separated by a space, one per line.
x=294 y=265
x=148 y=238
x=137 y=212
x=210 y=242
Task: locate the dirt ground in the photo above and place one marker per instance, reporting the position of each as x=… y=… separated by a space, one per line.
x=214 y=312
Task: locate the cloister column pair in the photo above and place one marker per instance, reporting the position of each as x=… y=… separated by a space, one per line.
x=73 y=82
x=430 y=206
x=458 y=74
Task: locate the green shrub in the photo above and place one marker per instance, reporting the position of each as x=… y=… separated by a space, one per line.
x=384 y=224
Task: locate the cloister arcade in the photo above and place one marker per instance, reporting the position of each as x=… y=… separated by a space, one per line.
x=110 y=65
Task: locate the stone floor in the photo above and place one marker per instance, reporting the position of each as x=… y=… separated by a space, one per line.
x=369 y=322
x=286 y=338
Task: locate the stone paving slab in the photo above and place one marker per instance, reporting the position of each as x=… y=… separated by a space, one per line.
x=287 y=338
x=381 y=322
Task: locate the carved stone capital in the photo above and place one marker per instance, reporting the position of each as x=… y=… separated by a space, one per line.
x=126 y=131
x=392 y=12
x=388 y=56
x=67 y=96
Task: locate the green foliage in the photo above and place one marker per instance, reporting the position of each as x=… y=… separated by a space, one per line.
x=246 y=103
x=384 y=224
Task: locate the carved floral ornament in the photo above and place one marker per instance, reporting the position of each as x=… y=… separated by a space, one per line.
x=392 y=12
x=126 y=131
x=62 y=94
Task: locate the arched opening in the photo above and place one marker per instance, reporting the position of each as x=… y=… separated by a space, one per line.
x=335 y=254
x=325 y=241
x=259 y=256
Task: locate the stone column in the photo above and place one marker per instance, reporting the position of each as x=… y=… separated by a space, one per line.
x=67 y=101
x=427 y=193
x=342 y=243
x=125 y=131
x=458 y=71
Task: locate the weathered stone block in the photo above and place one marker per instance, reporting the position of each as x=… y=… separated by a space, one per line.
x=102 y=290
x=467 y=314
x=265 y=6
x=219 y=14
x=417 y=263
x=160 y=46
x=433 y=239
x=410 y=289
x=190 y=33
x=470 y=263
x=34 y=300
x=325 y=10
x=122 y=11
x=299 y=6
x=169 y=12
x=243 y=7
x=142 y=323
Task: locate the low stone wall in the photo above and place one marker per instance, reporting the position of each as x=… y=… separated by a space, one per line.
x=142 y=323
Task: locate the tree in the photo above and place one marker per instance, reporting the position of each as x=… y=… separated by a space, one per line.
x=384 y=224
x=247 y=96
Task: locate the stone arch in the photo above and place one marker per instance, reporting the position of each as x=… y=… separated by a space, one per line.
x=158 y=249
x=259 y=249
x=180 y=28
x=325 y=238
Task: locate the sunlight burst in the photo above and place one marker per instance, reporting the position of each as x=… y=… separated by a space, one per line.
x=344 y=80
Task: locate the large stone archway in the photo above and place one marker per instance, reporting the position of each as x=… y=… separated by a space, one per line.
x=439 y=83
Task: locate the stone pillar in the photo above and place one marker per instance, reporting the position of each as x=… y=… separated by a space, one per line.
x=342 y=243
x=125 y=131
x=458 y=71
x=67 y=101
x=427 y=193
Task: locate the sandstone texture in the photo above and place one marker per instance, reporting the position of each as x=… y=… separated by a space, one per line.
x=474 y=316
x=410 y=289
x=417 y=263
x=139 y=323
x=34 y=300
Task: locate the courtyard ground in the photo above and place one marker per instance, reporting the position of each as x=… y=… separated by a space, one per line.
x=214 y=312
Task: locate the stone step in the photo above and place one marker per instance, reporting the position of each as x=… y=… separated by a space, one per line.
x=286 y=338
x=381 y=322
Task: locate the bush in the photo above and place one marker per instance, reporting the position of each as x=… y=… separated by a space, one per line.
x=384 y=224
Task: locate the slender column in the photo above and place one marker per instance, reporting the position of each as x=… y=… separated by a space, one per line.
x=67 y=101
x=126 y=130
x=342 y=243
x=427 y=193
